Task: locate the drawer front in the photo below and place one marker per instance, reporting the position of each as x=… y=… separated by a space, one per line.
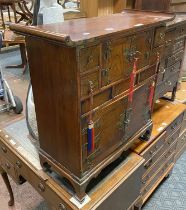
x=154 y=147
x=173 y=138
x=121 y=87
x=174 y=58
x=98 y=99
x=159 y=38
x=141 y=44
x=89 y=58
x=181 y=30
x=89 y=81
x=146 y=74
x=174 y=125
x=166 y=86
x=161 y=161
x=179 y=45
x=158 y=176
x=172 y=69
x=116 y=64
x=170 y=36
x=9 y=168
x=181 y=142
x=183 y=126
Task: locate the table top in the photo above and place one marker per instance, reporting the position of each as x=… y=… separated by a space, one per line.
x=15 y=136
x=76 y=31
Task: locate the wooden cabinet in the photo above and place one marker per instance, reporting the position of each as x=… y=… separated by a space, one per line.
x=171 y=62
x=88 y=98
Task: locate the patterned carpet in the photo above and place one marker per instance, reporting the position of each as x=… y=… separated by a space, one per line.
x=171 y=195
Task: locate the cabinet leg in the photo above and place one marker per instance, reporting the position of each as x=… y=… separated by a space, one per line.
x=7 y=183
x=174 y=93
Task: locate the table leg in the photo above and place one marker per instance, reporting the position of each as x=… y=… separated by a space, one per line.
x=7 y=183
x=23 y=58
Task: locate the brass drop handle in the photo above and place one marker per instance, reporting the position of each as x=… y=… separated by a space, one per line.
x=62 y=206
x=4 y=149
x=7 y=165
x=18 y=164
x=90 y=59
x=173 y=127
x=41 y=187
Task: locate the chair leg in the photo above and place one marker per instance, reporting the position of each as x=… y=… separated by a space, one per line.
x=7 y=183
x=2 y=18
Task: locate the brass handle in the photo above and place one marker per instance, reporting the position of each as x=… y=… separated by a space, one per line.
x=4 y=149
x=162 y=35
x=41 y=187
x=7 y=165
x=62 y=206
x=163 y=71
x=18 y=164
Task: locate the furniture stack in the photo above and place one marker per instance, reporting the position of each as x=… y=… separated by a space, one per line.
x=94 y=84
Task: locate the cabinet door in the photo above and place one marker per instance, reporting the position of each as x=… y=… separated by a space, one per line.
x=115 y=64
x=141 y=47
x=138 y=114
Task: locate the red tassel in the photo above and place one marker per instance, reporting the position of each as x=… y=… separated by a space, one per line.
x=132 y=81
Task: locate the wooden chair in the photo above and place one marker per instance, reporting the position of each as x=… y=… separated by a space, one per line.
x=153 y=5
x=20 y=12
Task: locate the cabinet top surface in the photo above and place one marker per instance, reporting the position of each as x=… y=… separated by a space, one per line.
x=74 y=31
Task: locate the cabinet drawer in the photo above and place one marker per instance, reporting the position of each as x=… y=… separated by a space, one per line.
x=161 y=161
x=174 y=125
x=89 y=81
x=174 y=58
x=154 y=147
x=179 y=45
x=121 y=87
x=98 y=100
x=181 y=30
x=183 y=126
x=10 y=169
x=173 y=138
x=172 y=69
x=146 y=74
x=181 y=142
x=89 y=58
x=158 y=176
x=166 y=85
x=159 y=36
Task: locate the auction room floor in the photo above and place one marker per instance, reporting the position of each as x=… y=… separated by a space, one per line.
x=171 y=195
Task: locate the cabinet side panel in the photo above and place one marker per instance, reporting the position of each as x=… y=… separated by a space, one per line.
x=53 y=70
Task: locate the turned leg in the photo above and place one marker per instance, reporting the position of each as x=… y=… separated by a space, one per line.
x=7 y=183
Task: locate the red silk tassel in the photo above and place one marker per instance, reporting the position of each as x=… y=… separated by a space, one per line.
x=132 y=81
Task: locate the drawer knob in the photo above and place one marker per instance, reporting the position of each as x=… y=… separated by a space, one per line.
x=18 y=164
x=7 y=165
x=4 y=149
x=41 y=187
x=61 y=206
